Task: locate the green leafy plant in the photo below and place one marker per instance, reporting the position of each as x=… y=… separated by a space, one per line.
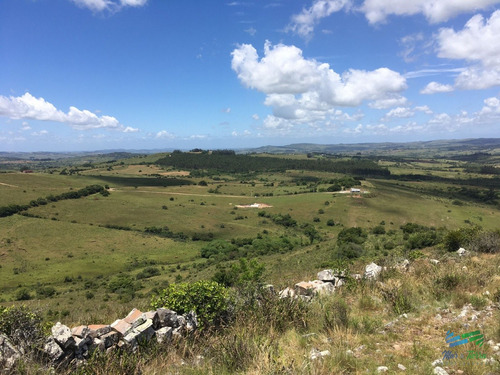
x=208 y=299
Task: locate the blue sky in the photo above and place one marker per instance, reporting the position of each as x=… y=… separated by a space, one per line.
x=148 y=74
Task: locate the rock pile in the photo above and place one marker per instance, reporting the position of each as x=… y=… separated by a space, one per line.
x=80 y=342
x=329 y=280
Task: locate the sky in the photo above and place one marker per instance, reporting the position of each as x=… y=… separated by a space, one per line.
x=83 y=75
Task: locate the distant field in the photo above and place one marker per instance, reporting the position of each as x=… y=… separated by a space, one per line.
x=74 y=243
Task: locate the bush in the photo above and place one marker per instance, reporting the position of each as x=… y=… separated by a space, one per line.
x=354 y=235
x=148 y=272
x=45 y=291
x=22 y=326
x=23 y=294
x=208 y=299
x=217 y=247
x=379 y=229
x=455 y=239
x=486 y=242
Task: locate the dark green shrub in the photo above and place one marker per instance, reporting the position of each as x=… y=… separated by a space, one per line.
x=22 y=326
x=217 y=247
x=208 y=299
x=148 y=272
x=45 y=291
x=354 y=235
x=23 y=294
x=455 y=239
x=379 y=229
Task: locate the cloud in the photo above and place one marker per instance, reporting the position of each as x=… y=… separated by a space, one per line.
x=256 y=117
x=305 y=90
x=108 y=5
x=130 y=129
x=435 y=11
x=399 y=112
x=29 y=107
x=251 y=31
x=164 y=134
x=478 y=44
x=304 y=22
x=409 y=44
x=25 y=126
x=226 y=110
x=40 y=133
x=388 y=102
x=435 y=87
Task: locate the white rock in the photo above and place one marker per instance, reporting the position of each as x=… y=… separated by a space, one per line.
x=461 y=252
x=437 y=362
x=439 y=371
x=372 y=271
x=326 y=275
x=434 y=261
x=401 y=367
x=381 y=369
x=287 y=293
x=316 y=354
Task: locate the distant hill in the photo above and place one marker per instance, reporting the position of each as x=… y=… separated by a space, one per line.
x=418 y=148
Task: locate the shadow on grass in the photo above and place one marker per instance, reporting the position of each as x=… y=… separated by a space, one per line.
x=143 y=181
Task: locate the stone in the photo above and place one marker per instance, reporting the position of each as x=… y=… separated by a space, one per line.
x=287 y=293
x=133 y=316
x=462 y=252
x=324 y=289
x=357 y=276
x=144 y=332
x=53 y=349
x=326 y=275
x=80 y=331
x=305 y=288
x=191 y=321
x=404 y=266
x=9 y=354
x=437 y=362
x=98 y=330
x=110 y=339
x=439 y=371
x=164 y=334
x=97 y=344
x=165 y=318
x=401 y=367
x=434 y=261
x=121 y=326
x=149 y=315
x=316 y=354
x=372 y=271
x=62 y=335
x=381 y=369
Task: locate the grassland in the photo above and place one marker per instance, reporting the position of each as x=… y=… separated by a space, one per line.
x=77 y=247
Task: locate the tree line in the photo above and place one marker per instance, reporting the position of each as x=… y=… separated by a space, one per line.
x=229 y=162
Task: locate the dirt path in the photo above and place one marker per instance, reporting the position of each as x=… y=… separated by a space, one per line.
x=188 y=194
x=4 y=184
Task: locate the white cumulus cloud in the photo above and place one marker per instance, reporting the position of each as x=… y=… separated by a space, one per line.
x=108 y=5
x=29 y=107
x=434 y=10
x=477 y=43
x=435 y=87
x=164 y=134
x=306 y=90
x=304 y=22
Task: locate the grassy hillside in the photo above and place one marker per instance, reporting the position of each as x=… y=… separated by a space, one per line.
x=89 y=260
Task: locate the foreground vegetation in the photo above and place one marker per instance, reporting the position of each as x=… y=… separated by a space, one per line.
x=85 y=242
